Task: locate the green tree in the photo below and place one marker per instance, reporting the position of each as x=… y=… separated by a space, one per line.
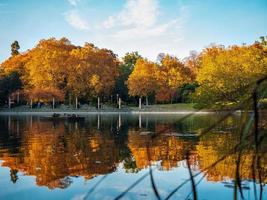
x=9 y=84
x=125 y=69
x=14 y=175
x=15 y=48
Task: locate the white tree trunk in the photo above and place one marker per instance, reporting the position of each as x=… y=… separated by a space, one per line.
x=119 y=103
x=140 y=121
x=140 y=103
x=119 y=121
x=98 y=103
x=9 y=102
x=146 y=101
x=76 y=103
x=53 y=103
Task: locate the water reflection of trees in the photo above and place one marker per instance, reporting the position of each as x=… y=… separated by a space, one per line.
x=52 y=152
x=167 y=149
x=212 y=147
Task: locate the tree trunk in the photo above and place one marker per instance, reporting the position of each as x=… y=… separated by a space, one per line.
x=146 y=101
x=9 y=102
x=53 y=104
x=76 y=103
x=31 y=103
x=140 y=121
x=69 y=100
x=9 y=122
x=119 y=103
x=140 y=103
x=98 y=121
x=119 y=125
x=98 y=102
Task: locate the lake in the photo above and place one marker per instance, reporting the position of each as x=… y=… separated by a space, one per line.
x=126 y=156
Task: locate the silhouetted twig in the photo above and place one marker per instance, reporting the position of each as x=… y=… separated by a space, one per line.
x=151 y=176
x=191 y=177
x=94 y=187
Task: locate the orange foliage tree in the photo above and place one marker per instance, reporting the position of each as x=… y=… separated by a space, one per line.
x=17 y=63
x=47 y=63
x=171 y=75
x=92 y=71
x=45 y=94
x=143 y=82
x=58 y=67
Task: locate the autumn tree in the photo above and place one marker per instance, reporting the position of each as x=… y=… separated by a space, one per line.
x=48 y=62
x=228 y=75
x=171 y=75
x=192 y=62
x=17 y=64
x=142 y=82
x=125 y=69
x=45 y=94
x=15 y=48
x=92 y=71
x=57 y=65
x=43 y=67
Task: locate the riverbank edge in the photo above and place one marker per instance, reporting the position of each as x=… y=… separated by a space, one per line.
x=102 y=112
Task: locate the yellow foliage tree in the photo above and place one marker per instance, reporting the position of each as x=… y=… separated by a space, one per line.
x=230 y=74
x=47 y=63
x=171 y=75
x=92 y=71
x=142 y=81
x=17 y=63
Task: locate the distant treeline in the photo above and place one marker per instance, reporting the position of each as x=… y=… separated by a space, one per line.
x=56 y=69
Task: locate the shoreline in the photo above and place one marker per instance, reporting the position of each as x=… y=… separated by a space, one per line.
x=87 y=113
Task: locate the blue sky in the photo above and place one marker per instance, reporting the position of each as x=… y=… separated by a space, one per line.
x=147 y=26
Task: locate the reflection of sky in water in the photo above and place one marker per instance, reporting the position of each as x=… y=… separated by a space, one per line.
x=104 y=151
x=113 y=185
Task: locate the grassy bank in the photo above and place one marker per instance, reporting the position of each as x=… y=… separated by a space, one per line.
x=106 y=108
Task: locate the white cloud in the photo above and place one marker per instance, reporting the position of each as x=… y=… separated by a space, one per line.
x=141 y=13
x=73 y=2
x=76 y=21
x=140 y=19
x=142 y=26
x=154 y=31
x=109 y=23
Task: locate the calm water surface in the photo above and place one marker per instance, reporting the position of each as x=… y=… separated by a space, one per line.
x=104 y=155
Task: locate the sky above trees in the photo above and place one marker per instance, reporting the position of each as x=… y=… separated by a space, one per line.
x=146 y=26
